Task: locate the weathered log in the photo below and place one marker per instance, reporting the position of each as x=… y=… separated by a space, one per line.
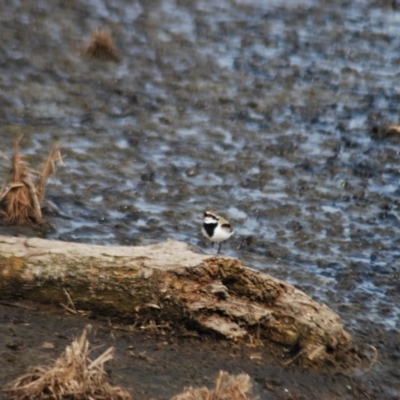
x=169 y=282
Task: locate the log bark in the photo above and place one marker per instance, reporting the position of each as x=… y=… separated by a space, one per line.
x=173 y=284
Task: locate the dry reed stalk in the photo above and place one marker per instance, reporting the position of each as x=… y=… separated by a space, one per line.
x=73 y=376
x=227 y=387
x=101 y=47
x=48 y=170
x=20 y=196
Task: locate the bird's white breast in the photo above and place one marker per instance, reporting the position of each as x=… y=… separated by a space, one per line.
x=221 y=234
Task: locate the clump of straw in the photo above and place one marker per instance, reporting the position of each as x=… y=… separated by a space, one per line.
x=227 y=387
x=24 y=189
x=101 y=47
x=73 y=376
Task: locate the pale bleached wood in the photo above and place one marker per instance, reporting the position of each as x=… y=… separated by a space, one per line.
x=170 y=283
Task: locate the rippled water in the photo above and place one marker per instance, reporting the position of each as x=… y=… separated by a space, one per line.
x=260 y=110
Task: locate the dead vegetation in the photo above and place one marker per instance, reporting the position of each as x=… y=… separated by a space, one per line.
x=385 y=131
x=101 y=47
x=24 y=189
x=227 y=387
x=74 y=376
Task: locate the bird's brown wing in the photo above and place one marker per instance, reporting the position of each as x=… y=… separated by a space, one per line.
x=226 y=225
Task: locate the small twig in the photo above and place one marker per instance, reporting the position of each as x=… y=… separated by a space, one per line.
x=287 y=362
x=68 y=309
x=70 y=302
x=102 y=359
x=72 y=311
x=154 y=326
x=18 y=305
x=374 y=357
x=128 y=328
x=53 y=207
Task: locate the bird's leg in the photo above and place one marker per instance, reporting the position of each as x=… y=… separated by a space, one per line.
x=219 y=247
x=212 y=245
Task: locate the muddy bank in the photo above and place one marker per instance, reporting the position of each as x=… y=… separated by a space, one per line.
x=155 y=365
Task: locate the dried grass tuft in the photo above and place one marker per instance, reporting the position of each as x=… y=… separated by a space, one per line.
x=227 y=387
x=393 y=130
x=101 y=47
x=23 y=192
x=73 y=376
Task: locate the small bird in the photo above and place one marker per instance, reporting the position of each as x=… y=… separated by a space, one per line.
x=216 y=228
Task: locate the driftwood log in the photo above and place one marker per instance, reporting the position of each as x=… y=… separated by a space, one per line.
x=170 y=283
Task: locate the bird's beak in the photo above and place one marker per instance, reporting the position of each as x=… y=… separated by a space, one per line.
x=201 y=217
